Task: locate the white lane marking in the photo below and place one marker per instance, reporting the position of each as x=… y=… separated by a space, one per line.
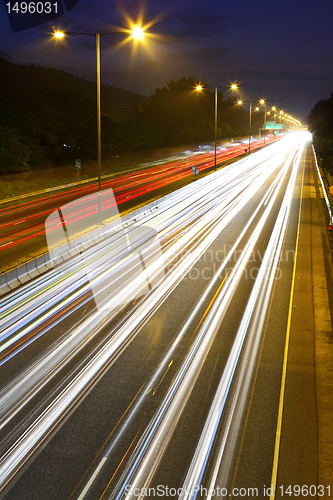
x=91 y=480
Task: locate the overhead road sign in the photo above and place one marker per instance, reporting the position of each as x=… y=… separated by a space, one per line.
x=273 y=126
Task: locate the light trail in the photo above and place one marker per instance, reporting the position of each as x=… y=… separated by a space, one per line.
x=190 y=225
x=250 y=329
x=45 y=366
x=60 y=282
x=167 y=359
x=149 y=180
x=154 y=442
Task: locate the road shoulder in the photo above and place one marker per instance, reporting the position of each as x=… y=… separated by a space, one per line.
x=306 y=447
x=322 y=278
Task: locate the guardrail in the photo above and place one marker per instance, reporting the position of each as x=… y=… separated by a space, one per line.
x=24 y=273
x=322 y=185
x=21 y=275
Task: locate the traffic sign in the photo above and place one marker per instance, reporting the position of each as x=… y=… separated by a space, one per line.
x=273 y=125
x=78 y=164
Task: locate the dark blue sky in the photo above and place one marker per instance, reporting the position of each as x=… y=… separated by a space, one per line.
x=282 y=50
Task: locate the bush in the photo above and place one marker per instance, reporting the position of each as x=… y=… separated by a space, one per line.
x=14 y=155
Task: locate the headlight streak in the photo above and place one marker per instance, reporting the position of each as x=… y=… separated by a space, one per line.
x=38 y=431
x=29 y=380
x=148 y=452
x=150 y=183
x=39 y=306
x=105 y=453
x=15 y=348
x=253 y=343
x=251 y=327
x=39 y=370
x=20 y=451
x=17 y=297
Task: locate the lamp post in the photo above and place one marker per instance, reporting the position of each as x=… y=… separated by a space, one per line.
x=267 y=113
x=262 y=101
x=136 y=33
x=199 y=88
x=240 y=102
x=250 y=127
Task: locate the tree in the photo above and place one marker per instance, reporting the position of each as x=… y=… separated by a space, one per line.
x=14 y=155
x=320 y=123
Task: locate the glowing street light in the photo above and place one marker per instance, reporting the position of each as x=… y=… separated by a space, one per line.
x=240 y=102
x=232 y=87
x=137 y=33
x=263 y=102
x=257 y=108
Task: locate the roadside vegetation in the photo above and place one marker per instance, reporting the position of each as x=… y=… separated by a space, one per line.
x=320 y=123
x=48 y=119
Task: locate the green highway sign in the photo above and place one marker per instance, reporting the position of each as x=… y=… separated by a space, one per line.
x=273 y=125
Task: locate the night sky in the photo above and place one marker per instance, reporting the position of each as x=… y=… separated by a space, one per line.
x=282 y=50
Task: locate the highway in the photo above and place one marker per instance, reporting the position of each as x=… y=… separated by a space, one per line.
x=22 y=232
x=153 y=359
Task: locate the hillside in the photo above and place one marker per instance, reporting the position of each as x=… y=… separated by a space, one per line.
x=16 y=76
x=48 y=117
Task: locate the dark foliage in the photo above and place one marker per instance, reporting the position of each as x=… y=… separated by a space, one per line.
x=48 y=117
x=178 y=114
x=320 y=123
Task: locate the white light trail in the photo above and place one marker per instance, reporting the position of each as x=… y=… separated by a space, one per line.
x=251 y=326
x=199 y=217
x=153 y=443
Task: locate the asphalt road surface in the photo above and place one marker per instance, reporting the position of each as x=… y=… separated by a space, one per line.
x=22 y=225
x=157 y=372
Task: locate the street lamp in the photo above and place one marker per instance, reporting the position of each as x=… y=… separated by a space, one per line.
x=262 y=101
x=240 y=102
x=273 y=108
x=232 y=87
x=137 y=32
